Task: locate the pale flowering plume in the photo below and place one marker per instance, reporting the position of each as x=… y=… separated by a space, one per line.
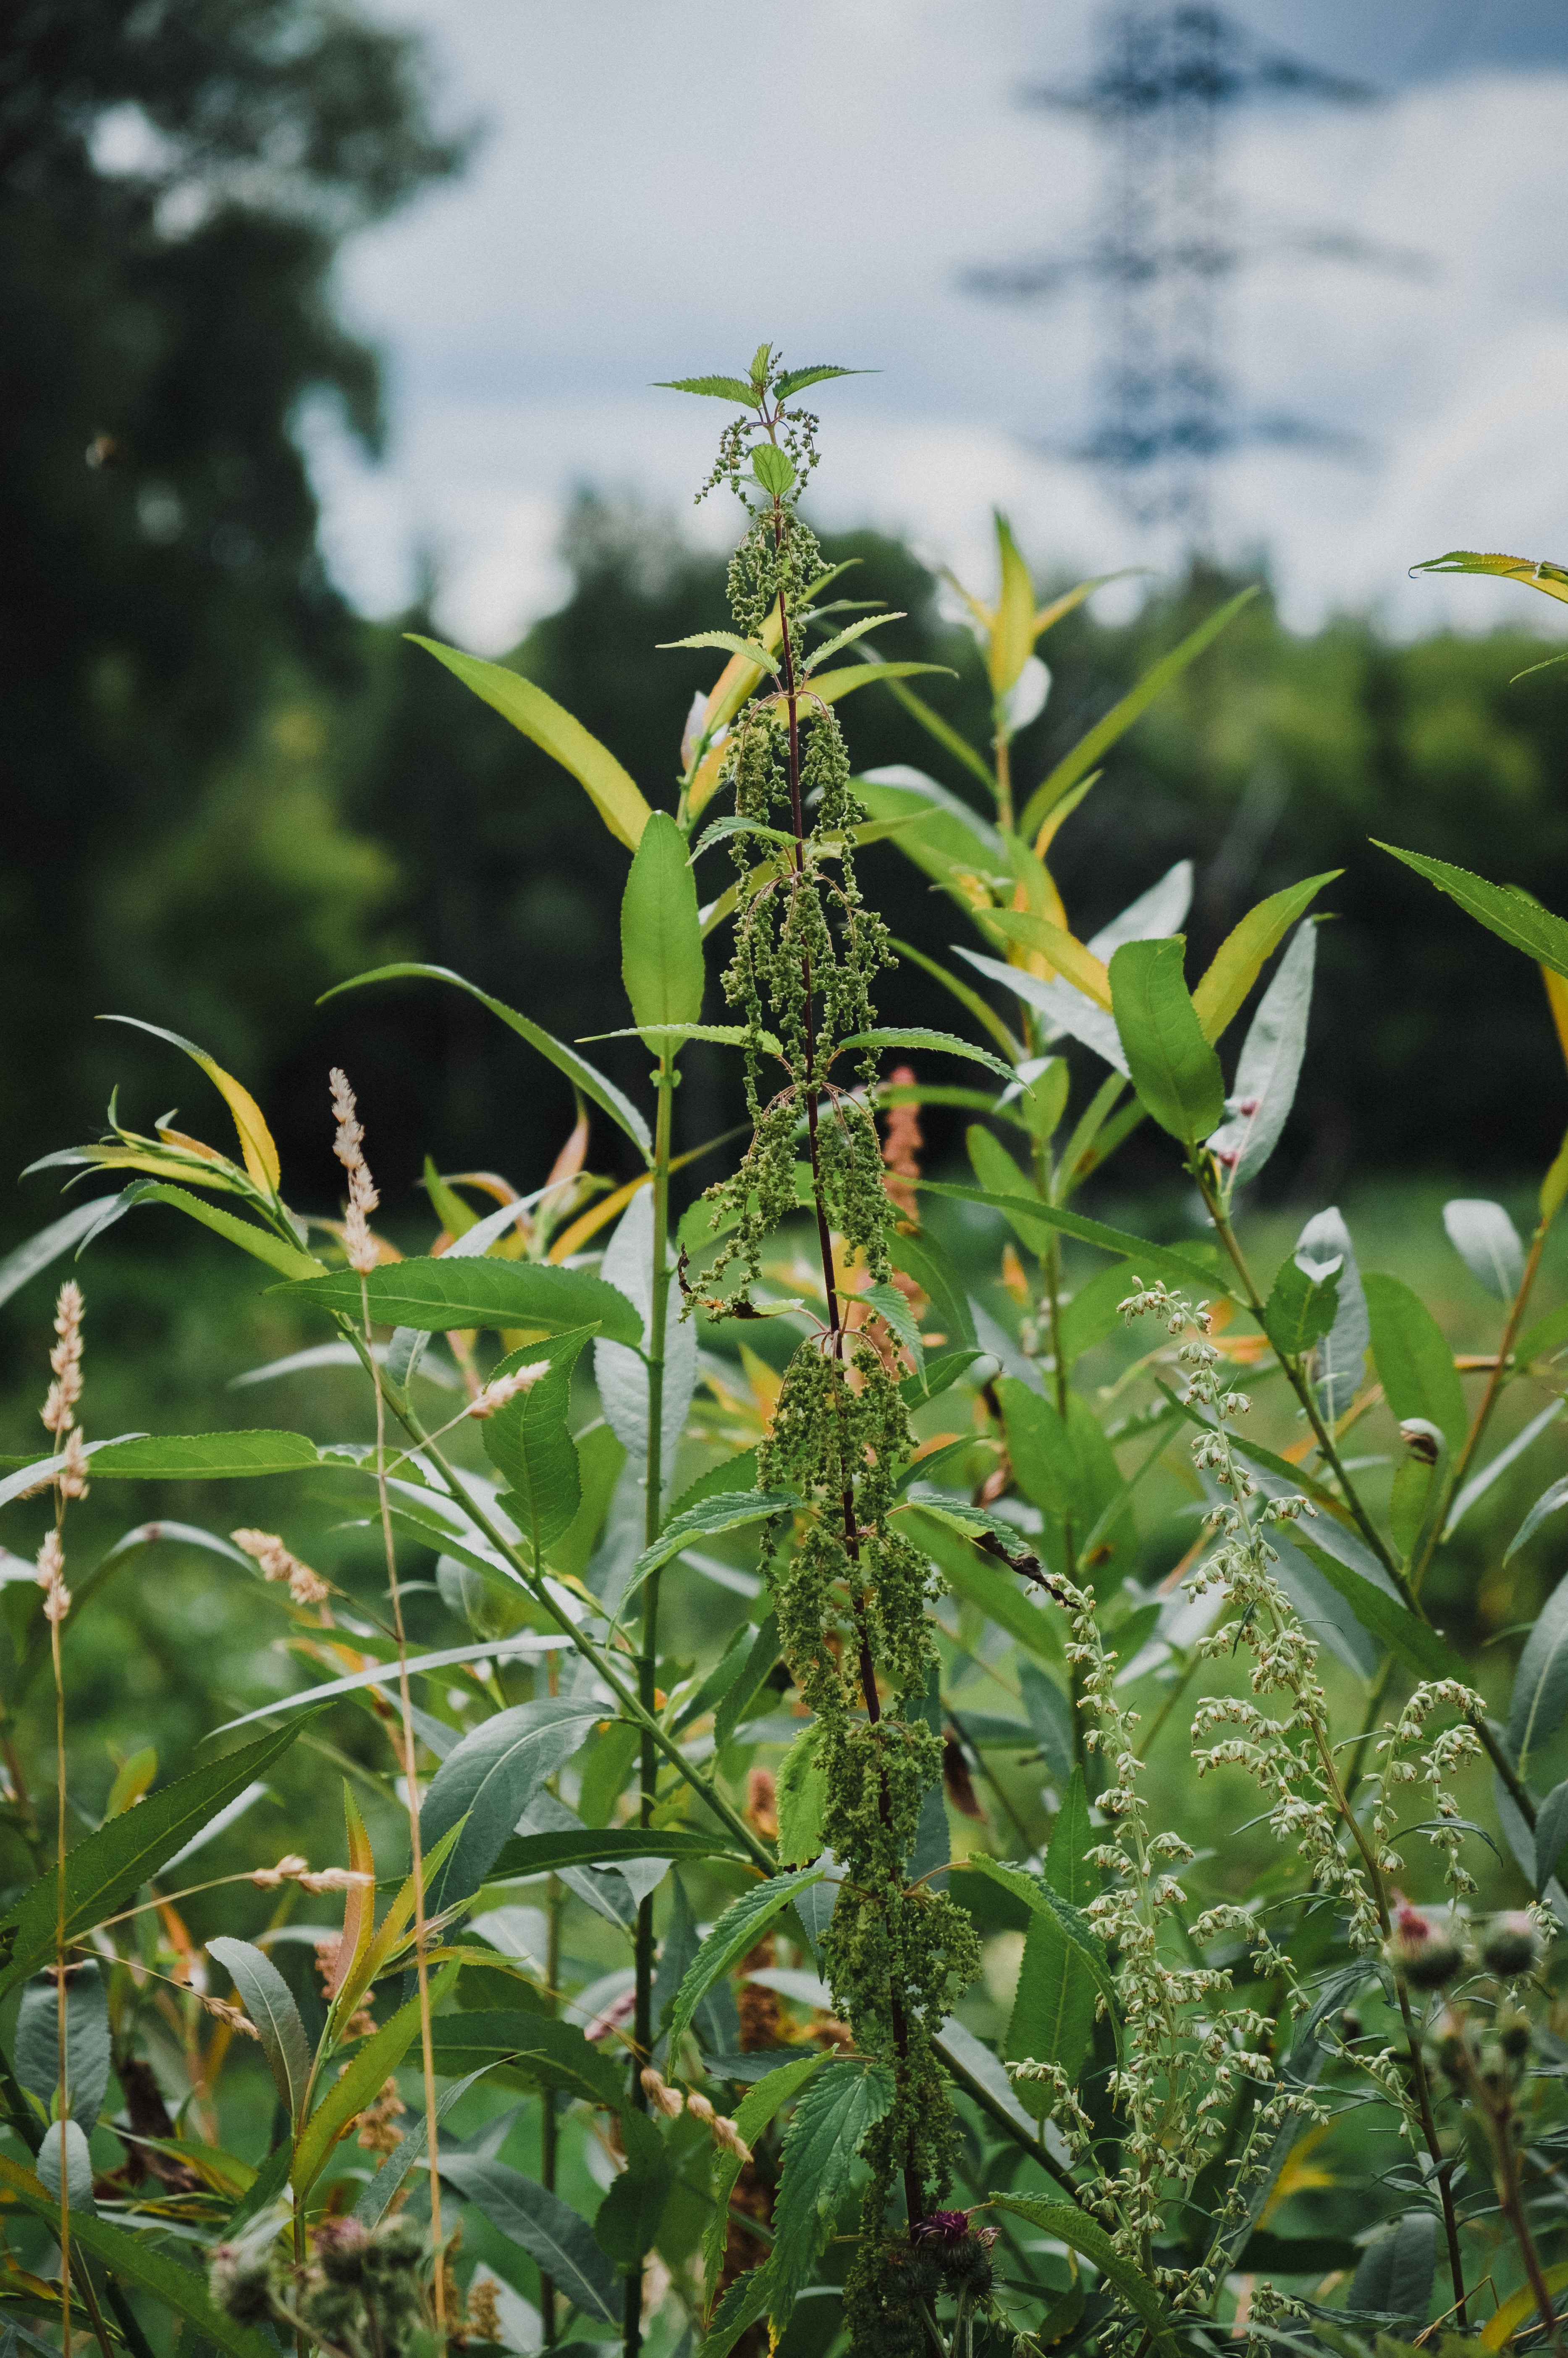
x=901 y=1148
x=59 y=1410
x=229 y=2014
x=287 y=1870
x=349 y=1148
x=496 y=1395
x=72 y=1474
x=333 y=1878
x=51 y=1576
x=305 y=1586
x=661 y=2095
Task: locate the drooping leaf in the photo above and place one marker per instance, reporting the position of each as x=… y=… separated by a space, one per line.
x=1503 y=909
x=1397 y=1630
x=628 y=2218
x=259 y=1242
x=747 y=649
x=528 y=1441
x=1302 y=1304
x=256 y=1145
x=740 y=1928
x=552 y=2053
x=1540 y=1683
x=203 y=1456
x=945 y=1044
x=1554 y=1495
x=835 y=2109
x=490 y=1778
x=1487 y=1243
x=1479 y=1484
x=729 y=1511
x=269 y=2002
x=37 y=2052
x=26 y=1260
x=560 y=2244
x=1091 y=750
x=386 y=1675
x=1065 y=1008
x=893 y=1308
x=982 y=1581
x=1174 y=1070
x=548 y=1854
x=1069 y=2225
x=584 y=1077
x=1414 y=1361
x=1064 y=952
x=1239 y=959
x=105 y=1870
x=1041 y=1899
x=614 y=795
x=1269 y=1067
x=1536 y=573
x=434 y=1295
x=722 y=388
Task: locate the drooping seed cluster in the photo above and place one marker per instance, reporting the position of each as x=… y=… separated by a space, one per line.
x=305 y=1586
x=348 y=1147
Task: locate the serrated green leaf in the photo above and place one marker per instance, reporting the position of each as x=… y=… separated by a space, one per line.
x=107 y=1869
x=1070 y=2226
x=740 y=1928
x=1535 y=572
x=762 y=2102
x=661 y=938
x=893 y=1308
x=946 y=1044
x=728 y=644
x=585 y=1078
x=1503 y=909
x=795 y=381
x=556 y=2239
x=728 y=1511
x=835 y=2111
x=846 y=638
x=1174 y=1070
x=802 y=1798
x=614 y=795
x=722 y=388
x=774 y=469
x=468 y=1291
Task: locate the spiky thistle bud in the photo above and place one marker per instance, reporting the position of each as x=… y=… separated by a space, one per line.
x=1510 y=1945
x=1424 y=1954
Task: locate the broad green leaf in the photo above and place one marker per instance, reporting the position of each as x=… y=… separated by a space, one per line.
x=1503 y=909
x=745 y=2302
x=552 y=2053
x=1396 y=1628
x=64 y=2165
x=1174 y=1070
x=1268 y=1067
x=945 y=1044
x=1051 y=1718
x=1090 y=749
x=1041 y=1899
x=728 y=1511
x=255 y=1139
x=37 y=2052
x=761 y=2103
x=1414 y=1361
x=1069 y=2225
x=835 y=2109
x=470 y=1291
x=1396 y=2271
x=269 y=2002
x=203 y=1456
x=1012 y=628
x=1536 y=573
x=547 y=1854
x=1302 y=1304
x=1066 y=953
x=386 y=1675
x=102 y=1873
x=1487 y=1243
x=795 y=381
x=1540 y=1683
x=261 y=1243
x=661 y=939
x=628 y=2219
x=613 y=795
x=585 y=1078
x=1239 y=959
x=802 y=1797
x=1549 y=1500
x=556 y=2239
x=489 y=1780
x=722 y=388
x=953 y=844
x=922 y=1259
x=528 y=1441
x=1068 y=1869
x=774 y=469
x=1151 y=1259
x=1040 y=1449
x=740 y=1928
x=1053 y=2017
x=371 y=2066
x=138 y=2265
x=747 y=649
x=997 y=1172
x=1544 y=1338
x=893 y=1308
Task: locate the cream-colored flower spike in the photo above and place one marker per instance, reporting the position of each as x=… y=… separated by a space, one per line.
x=349 y=1148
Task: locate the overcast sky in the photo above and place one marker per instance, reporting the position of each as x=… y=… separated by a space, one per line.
x=660 y=184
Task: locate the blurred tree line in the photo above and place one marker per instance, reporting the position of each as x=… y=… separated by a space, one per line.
x=226 y=791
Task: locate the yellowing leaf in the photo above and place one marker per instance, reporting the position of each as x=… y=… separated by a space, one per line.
x=614 y=795
x=1300 y=2172
x=255 y=1139
x=1518 y=2307
x=1013 y=634
x=1082 y=968
x=1239 y=958
x=1557 y=999
x=1055 y=818
x=1536 y=573
x=1075 y=597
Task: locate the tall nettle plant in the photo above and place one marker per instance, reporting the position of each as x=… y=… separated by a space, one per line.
x=1320 y=2108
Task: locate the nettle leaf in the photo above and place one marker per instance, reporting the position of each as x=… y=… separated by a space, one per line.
x=802 y=1798
x=761 y=2103
x=1504 y=909
x=1414 y=1361
x=846 y=637
x=1270 y=1065
x=795 y=381
x=1068 y=2224
x=1302 y=1304
x=1041 y=1899
x=1487 y=1243
x=946 y=1044
x=893 y=1308
x=464 y=1291
x=556 y=2239
x=489 y=1780
x=774 y=469
x=1540 y=1683
x=269 y=2002
x=730 y=1510
x=740 y=1928
x=1535 y=572
x=105 y=1871
x=726 y=640
x=835 y=2111
x=722 y=388
x=1174 y=1069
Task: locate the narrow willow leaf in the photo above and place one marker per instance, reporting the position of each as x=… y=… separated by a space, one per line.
x=489 y=1781
x=1064 y=952
x=1302 y=1304
x=1174 y=1070
x=37 y=2052
x=1268 y=1067
x=256 y=1144
x=728 y=1511
x=588 y=1845
x=269 y=2002
x=832 y=2117
x=620 y=1374
x=106 y=1870
x=1151 y=917
x=831 y=686
x=1479 y=1484
x=203 y=1456
x=1487 y=1243
x=1397 y=1630
x=1503 y=909
x=386 y=1675
x=1340 y=1362
x=1549 y=1500
x=371 y=2066
x=1239 y=959
x=553 y=2054
x=380 y=2194
x=1149 y=1259
x=260 y=1243
x=955 y=843
x=1091 y=750
x=26 y=1260
x=1012 y=623
x=1040 y=1449
x=1550 y=1834
x=740 y=1928
x=1065 y=1009
x=556 y=2239
x=1070 y=2226
x=1414 y=1360
x=1535 y=572
x=358 y=1904
x=459 y=1291
x=939 y=1278
x=1520 y=2306
x=613 y=795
